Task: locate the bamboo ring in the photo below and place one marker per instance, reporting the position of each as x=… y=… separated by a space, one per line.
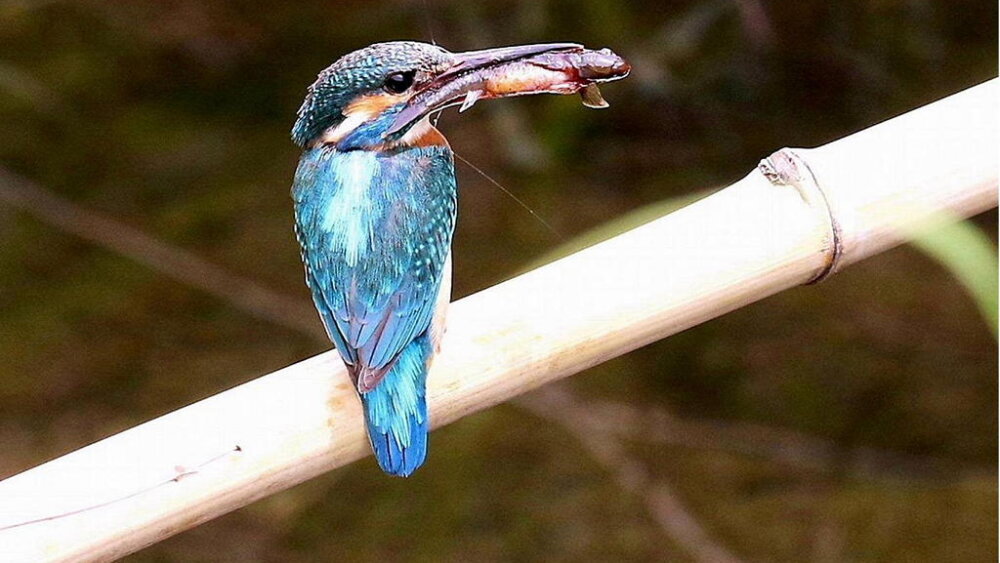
x=786 y=168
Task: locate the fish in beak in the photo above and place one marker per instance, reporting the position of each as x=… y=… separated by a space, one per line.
x=550 y=68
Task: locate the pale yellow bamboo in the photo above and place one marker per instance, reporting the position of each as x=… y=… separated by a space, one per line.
x=770 y=231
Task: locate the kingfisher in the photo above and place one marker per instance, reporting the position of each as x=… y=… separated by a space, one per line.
x=375 y=202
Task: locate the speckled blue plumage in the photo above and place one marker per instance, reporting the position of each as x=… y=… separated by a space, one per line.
x=375 y=229
x=396 y=411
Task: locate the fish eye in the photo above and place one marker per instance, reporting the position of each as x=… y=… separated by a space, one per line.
x=399 y=82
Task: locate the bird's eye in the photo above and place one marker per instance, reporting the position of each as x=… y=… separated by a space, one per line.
x=399 y=82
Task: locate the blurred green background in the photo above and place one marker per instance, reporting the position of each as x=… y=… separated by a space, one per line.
x=855 y=420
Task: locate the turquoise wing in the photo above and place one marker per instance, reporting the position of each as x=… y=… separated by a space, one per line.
x=375 y=231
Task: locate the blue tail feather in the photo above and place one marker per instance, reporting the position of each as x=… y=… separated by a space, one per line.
x=396 y=411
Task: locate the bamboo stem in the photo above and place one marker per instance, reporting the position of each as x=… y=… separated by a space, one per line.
x=770 y=231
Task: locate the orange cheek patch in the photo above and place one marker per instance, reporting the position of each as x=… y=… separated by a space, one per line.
x=373 y=104
x=428 y=138
x=370 y=106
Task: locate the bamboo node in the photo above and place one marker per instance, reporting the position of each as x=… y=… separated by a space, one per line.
x=786 y=168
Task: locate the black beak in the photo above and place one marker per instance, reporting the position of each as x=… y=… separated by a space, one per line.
x=473 y=60
x=557 y=68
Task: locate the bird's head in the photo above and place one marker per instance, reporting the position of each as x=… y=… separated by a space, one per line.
x=380 y=96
